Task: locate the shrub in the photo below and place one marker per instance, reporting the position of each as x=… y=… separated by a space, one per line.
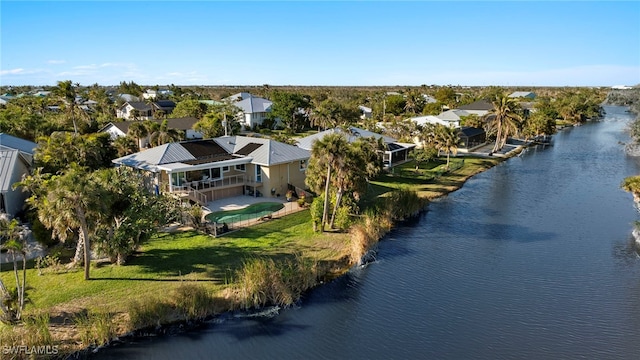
x=95 y=328
x=149 y=312
x=193 y=301
x=264 y=282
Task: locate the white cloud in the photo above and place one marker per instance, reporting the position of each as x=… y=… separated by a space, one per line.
x=12 y=71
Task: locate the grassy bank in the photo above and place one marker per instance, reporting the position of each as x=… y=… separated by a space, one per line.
x=186 y=275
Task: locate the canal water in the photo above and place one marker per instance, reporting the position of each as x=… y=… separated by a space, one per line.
x=531 y=259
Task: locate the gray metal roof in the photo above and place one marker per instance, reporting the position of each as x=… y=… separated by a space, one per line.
x=351 y=134
x=13 y=142
x=269 y=153
x=453 y=115
x=8 y=158
x=254 y=105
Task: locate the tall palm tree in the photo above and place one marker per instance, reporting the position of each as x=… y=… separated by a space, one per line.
x=66 y=92
x=503 y=119
x=446 y=139
x=164 y=134
x=360 y=162
x=329 y=153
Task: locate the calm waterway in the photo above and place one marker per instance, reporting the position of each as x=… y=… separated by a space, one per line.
x=531 y=259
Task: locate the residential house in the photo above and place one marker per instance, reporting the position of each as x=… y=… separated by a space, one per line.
x=255 y=110
x=431 y=119
x=452 y=118
x=150 y=94
x=523 y=94
x=394 y=154
x=365 y=112
x=428 y=99
x=166 y=106
x=16 y=160
x=118 y=129
x=128 y=97
x=480 y=107
x=208 y=170
x=127 y=110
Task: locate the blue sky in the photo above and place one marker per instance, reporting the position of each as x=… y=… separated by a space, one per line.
x=320 y=43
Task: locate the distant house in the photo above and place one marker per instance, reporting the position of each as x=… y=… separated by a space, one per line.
x=128 y=97
x=254 y=109
x=16 y=160
x=523 y=94
x=429 y=99
x=365 y=112
x=431 y=119
x=150 y=94
x=621 y=87
x=118 y=129
x=394 y=154
x=452 y=118
x=208 y=170
x=480 y=107
x=166 y=106
x=127 y=110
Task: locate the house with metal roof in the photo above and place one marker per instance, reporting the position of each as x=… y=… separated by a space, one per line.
x=394 y=154
x=452 y=118
x=121 y=128
x=16 y=160
x=212 y=169
x=254 y=108
x=523 y=94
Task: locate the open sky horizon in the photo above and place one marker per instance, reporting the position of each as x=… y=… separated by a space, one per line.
x=324 y=43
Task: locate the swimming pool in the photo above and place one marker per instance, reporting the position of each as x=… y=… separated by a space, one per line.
x=250 y=212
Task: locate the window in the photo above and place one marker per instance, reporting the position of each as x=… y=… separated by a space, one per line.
x=225 y=169
x=216 y=173
x=241 y=167
x=303 y=165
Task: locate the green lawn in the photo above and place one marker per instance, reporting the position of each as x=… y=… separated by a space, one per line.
x=168 y=259
x=431 y=180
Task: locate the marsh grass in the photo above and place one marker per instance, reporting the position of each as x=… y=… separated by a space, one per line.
x=193 y=301
x=95 y=329
x=149 y=312
x=263 y=281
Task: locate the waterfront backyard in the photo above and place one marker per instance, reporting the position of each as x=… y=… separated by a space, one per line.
x=171 y=259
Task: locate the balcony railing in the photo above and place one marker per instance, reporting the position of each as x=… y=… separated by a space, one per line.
x=236 y=180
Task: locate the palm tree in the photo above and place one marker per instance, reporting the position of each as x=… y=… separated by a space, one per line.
x=72 y=202
x=329 y=153
x=14 y=243
x=125 y=145
x=139 y=131
x=66 y=92
x=164 y=134
x=359 y=163
x=503 y=119
x=446 y=139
